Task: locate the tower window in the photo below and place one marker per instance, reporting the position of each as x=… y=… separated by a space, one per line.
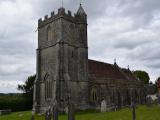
x=93 y=96
x=49 y=34
x=48 y=87
x=48 y=90
x=72 y=54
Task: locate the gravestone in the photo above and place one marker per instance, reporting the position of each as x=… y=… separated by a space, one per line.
x=103 y=106
x=115 y=107
x=55 y=111
x=149 y=101
x=32 y=118
x=66 y=110
x=48 y=115
x=4 y=112
x=133 y=106
x=71 y=111
x=158 y=100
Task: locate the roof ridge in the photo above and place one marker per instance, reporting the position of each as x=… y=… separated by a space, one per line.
x=101 y=62
x=125 y=75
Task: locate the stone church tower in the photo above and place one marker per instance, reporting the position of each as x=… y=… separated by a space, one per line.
x=62 y=61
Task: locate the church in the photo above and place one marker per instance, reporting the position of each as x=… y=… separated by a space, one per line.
x=64 y=73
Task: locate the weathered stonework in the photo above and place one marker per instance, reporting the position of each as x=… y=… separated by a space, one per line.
x=63 y=68
x=62 y=61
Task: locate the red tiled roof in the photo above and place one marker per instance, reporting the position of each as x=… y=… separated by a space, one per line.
x=104 y=70
x=129 y=74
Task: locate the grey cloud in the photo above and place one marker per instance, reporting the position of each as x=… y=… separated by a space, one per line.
x=147 y=53
x=17 y=47
x=113 y=27
x=154 y=65
x=128 y=44
x=141 y=11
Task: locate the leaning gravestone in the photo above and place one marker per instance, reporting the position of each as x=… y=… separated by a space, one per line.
x=103 y=106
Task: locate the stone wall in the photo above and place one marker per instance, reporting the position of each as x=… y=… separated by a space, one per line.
x=62 y=60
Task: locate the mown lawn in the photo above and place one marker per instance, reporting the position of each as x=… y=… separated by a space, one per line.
x=143 y=113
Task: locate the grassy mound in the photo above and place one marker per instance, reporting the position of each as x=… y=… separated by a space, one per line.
x=143 y=113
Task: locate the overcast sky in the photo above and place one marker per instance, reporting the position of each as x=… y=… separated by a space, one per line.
x=128 y=30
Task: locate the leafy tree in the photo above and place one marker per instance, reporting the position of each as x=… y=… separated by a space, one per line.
x=158 y=82
x=27 y=87
x=142 y=75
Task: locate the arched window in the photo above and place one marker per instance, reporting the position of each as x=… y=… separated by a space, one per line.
x=49 y=34
x=119 y=99
x=94 y=96
x=48 y=87
x=72 y=54
x=128 y=97
x=136 y=96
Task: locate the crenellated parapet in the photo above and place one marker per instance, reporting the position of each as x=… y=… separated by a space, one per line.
x=61 y=14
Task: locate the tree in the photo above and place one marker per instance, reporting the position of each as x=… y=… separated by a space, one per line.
x=142 y=75
x=27 y=87
x=158 y=82
x=158 y=78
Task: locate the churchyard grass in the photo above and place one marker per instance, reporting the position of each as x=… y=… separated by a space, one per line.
x=142 y=112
